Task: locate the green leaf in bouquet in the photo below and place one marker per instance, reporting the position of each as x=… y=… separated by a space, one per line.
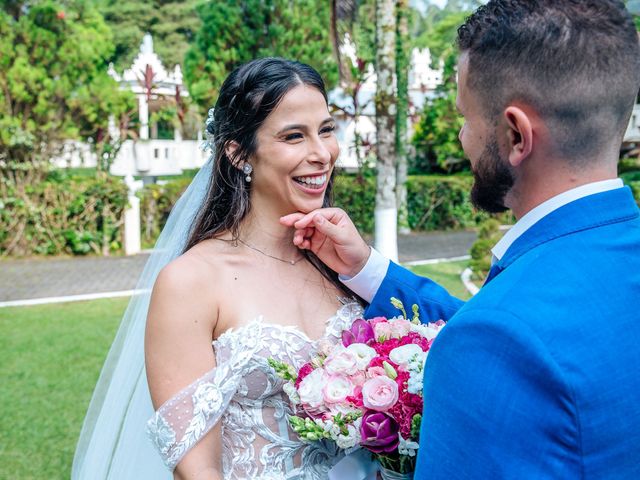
x=283 y=370
x=415 y=426
x=416 y=314
x=399 y=305
x=307 y=429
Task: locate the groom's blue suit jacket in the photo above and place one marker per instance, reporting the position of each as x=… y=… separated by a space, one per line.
x=538 y=375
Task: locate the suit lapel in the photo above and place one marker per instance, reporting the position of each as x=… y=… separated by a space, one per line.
x=585 y=213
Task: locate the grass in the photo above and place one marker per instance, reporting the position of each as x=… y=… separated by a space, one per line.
x=50 y=359
x=446 y=274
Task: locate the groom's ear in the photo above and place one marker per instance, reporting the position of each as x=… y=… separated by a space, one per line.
x=520 y=126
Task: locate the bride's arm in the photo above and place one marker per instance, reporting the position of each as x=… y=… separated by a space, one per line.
x=182 y=317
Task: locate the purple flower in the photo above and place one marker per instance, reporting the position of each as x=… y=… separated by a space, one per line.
x=360 y=332
x=379 y=432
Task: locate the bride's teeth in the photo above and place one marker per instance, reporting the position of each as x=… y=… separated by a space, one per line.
x=313 y=180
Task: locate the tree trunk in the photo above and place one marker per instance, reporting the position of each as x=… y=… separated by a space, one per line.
x=402 y=74
x=386 y=241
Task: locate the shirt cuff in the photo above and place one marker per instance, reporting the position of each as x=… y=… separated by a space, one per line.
x=368 y=280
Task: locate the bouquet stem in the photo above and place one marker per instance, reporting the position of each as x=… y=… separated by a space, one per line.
x=387 y=474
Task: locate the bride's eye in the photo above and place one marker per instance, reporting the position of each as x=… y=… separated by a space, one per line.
x=327 y=130
x=293 y=136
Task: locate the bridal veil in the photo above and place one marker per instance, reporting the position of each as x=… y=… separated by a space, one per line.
x=113 y=442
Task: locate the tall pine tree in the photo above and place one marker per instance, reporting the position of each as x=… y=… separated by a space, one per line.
x=236 y=31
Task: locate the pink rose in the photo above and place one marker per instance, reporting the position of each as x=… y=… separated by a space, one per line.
x=380 y=393
x=400 y=327
x=376 y=372
x=375 y=320
x=382 y=330
x=358 y=378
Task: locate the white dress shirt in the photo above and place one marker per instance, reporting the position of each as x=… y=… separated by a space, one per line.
x=368 y=280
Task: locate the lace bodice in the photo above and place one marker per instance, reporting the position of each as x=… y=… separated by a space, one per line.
x=244 y=393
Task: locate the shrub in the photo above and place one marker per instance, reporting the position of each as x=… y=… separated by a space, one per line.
x=156 y=202
x=63 y=214
x=488 y=235
x=356 y=196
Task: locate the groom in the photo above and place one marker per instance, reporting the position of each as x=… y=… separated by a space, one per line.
x=537 y=376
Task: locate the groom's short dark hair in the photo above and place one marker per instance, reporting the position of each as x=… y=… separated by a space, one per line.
x=577 y=62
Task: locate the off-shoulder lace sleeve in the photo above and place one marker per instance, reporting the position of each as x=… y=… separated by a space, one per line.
x=183 y=420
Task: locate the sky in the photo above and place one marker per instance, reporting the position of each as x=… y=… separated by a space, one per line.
x=421 y=4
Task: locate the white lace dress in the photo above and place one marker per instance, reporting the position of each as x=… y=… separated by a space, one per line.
x=244 y=393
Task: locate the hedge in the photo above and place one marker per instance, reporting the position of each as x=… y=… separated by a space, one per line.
x=62 y=215
x=435 y=203
x=77 y=215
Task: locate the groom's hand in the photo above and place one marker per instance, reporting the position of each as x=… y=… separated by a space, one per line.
x=332 y=236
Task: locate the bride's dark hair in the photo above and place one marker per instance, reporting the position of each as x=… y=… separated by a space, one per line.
x=247 y=97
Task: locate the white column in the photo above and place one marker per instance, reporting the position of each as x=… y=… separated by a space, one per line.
x=386 y=240
x=143 y=114
x=132 y=244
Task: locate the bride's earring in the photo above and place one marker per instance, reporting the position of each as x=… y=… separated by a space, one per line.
x=247 y=169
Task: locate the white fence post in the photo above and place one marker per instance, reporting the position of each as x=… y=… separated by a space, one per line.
x=132 y=245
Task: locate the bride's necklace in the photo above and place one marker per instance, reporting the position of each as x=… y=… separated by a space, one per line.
x=290 y=262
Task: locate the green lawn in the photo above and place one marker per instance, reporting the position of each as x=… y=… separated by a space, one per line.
x=447 y=275
x=50 y=358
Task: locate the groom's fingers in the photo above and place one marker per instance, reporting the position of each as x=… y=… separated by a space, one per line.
x=301 y=234
x=331 y=214
x=289 y=220
x=325 y=226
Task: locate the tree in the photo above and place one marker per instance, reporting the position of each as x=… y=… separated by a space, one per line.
x=402 y=74
x=438 y=148
x=52 y=69
x=172 y=23
x=236 y=31
x=353 y=36
x=436 y=134
x=386 y=211
x=103 y=116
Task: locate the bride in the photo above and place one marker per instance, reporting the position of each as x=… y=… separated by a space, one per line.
x=231 y=292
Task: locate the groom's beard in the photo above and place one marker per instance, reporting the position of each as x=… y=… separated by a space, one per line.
x=492 y=180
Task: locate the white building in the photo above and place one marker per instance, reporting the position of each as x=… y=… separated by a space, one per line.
x=147 y=156
x=423 y=80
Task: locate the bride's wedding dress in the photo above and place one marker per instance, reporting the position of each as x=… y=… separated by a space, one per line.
x=245 y=395
x=241 y=392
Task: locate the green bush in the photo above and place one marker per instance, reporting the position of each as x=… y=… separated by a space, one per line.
x=436 y=202
x=488 y=235
x=635 y=188
x=156 y=202
x=441 y=203
x=356 y=196
x=63 y=214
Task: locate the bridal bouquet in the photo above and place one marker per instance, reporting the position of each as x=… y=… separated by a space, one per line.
x=367 y=390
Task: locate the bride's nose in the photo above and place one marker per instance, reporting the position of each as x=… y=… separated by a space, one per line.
x=319 y=152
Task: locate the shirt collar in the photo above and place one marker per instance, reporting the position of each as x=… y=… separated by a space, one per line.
x=545 y=208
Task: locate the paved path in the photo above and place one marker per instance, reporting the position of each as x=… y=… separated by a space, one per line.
x=42 y=278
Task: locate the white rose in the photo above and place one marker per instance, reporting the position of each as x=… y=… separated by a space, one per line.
x=337 y=388
x=291 y=392
x=310 y=389
x=341 y=362
x=426 y=330
x=363 y=354
x=351 y=439
x=405 y=354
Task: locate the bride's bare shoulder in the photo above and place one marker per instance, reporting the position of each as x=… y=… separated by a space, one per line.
x=193 y=278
